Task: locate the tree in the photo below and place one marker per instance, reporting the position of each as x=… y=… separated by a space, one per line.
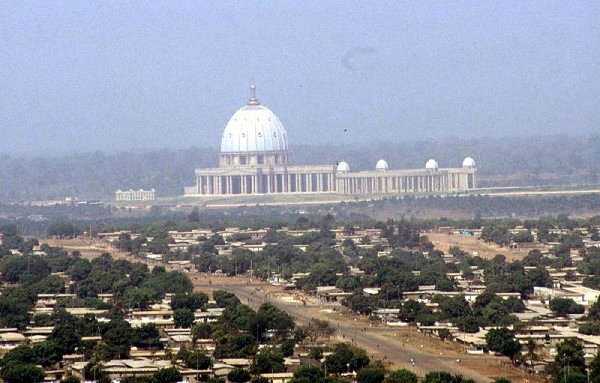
x=370 y=375
x=167 y=375
x=183 y=318
x=80 y=270
x=315 y=353
x=595 y=369
x=146 y=336
x=346 y=358
x=194 y=215
x=64 y=230
x=319 y=329
x=438 y=377
x=444 y=377
x=594 y=311
x=12 y=267
x=454 y=307
x=225 y=299
x=402 y=376
x=238 y=375
x=47 y=353
x=444 y=334
x=287 y=347
x=309 y=374
x=52 y=284
x=71 y=379
x=18 y=372
x=234 y=346
x=21 y=354
x=196 y=360
x=192 y=301
x=124 y=242
x=275 y=319
x=590 y=328
x=531 y=356
x=569 y=360
x=15 y=302
x=92 y=370
x=268 y=360
x=139 y=297
x=360 y=303
x=503 y=340
x=347 y=284
x=117 y=335
x=65 y=333
x=202 y=330
x=565 y=306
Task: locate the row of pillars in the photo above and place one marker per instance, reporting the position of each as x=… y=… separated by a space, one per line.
x=404 y=184
x=327 y=182
x=265 y=183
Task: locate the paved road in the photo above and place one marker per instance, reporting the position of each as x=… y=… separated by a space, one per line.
x=376 y=344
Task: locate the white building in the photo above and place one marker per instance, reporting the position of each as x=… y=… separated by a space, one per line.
x=135 y=195
x=255 y=159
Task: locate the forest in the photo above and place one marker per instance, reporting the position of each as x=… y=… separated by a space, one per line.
x=501 y=162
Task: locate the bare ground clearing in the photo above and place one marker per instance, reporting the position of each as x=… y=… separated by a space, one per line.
x=473 y=245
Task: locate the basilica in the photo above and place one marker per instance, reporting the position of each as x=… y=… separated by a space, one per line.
x=255 y=159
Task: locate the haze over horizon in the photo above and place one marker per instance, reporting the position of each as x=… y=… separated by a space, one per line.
x=86 y=76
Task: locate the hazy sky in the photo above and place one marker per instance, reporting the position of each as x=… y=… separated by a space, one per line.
x=113 y=75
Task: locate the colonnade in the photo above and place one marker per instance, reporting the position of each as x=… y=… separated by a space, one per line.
x=265 y=183
x=320 y=179
x=401 y=182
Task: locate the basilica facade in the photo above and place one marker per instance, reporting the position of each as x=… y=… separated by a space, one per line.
x=255 y=159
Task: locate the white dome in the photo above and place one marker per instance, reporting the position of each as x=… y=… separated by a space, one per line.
x=254 y=128
x=431 y=164
x=468 y=163
x=382 y=165
x=343 y=167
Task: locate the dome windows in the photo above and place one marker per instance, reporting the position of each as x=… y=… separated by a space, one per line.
x=254 y=128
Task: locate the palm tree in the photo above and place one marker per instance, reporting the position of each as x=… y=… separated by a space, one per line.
x=530 y=353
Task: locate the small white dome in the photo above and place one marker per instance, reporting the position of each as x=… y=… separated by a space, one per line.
x=343 y=167
x=468 y=163
x=382 y=165
x=431 y=164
